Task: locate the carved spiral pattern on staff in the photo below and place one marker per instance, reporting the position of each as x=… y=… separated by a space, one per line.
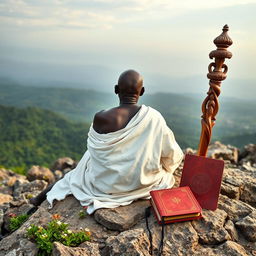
x=217 y=73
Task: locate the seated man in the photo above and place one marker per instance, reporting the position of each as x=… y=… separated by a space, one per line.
x=130 y=152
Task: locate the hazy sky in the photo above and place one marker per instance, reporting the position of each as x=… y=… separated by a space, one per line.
x=88 y=43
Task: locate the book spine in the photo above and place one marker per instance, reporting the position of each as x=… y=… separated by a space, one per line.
x=158 y=203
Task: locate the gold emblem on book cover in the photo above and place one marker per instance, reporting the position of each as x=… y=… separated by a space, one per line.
x=176 y=200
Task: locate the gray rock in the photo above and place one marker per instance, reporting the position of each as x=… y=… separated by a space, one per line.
x=5 y=198
x=58 y=174
x=123 y=217
x=180 y=238
x=248 y=155
x=1 y=219
x=228 y=248
x=28 y=190
x=66 y=170
x=248 y=226
x=24 y=248
x=128 y=243
x=189 y=151
x=88 y=249
x=5 y=206
x=230 y=190
x=230 y=227
x=248 y=194
x=240 y=184
x=23 y=209
x=235 y=209
x=12 y=242
x=6 y=190
x=8 y=177
x=63 y=163
x=210 y=228
x=224 y=152
x=40 y=173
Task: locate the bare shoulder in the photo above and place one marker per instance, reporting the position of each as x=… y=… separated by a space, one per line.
x=103 y=119
x=104 y=114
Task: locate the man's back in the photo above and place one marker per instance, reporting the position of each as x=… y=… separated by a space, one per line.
x=114 y=119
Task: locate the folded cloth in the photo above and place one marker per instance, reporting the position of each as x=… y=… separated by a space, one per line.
x=122 y=166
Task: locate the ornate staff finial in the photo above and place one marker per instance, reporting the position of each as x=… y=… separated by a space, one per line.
x=217 y=73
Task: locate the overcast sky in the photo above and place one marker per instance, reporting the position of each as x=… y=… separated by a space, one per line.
x=89 y=43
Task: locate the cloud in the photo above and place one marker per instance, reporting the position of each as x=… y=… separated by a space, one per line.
x=101 y=14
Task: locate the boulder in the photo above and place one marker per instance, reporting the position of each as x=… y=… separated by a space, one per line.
x=230 y=227
x=58 y=174
x=5 y=198
x=248 y=155
x=210 y=228
x=8 y=177
x=247 y=225
x=235 y=209
x=24 y=248
x=40 y=173
x=23 y=209
x=12 y=244
x=130 y=242
x=228 y=248
x=28 y=190
x=123 y=217
x=88 y=249
x=223 y=152
x=180 y=238
x=230 y=190
x=1 y=219
x=240 y=184
x=64 y=163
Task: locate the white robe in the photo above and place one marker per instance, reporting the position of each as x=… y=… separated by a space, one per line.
x=122 y=166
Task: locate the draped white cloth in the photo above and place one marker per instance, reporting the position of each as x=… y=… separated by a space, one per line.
x=122 y=166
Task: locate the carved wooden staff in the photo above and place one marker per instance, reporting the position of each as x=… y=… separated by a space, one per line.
x=217 y=73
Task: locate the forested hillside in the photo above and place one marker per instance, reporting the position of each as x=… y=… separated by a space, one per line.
x=35 y=136
x=236 y=120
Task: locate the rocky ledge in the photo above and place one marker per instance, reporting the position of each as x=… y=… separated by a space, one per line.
x=230 y=230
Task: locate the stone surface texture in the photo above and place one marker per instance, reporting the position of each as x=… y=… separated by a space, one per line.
x=122 y=218
x=63 y=163
x=228 y=231
x=40 y=173
x=87 y=249
x=224 y=152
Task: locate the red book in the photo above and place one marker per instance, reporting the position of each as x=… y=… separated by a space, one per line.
x=175 y=204
x=203 y=175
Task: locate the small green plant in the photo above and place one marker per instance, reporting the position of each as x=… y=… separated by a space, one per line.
x=82 y=214
x=55 y=231
x=17 y=221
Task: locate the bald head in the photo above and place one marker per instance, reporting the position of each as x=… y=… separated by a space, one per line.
x=130 y=86
x=130 y=78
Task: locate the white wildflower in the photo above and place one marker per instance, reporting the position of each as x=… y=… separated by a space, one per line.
x=59 y=222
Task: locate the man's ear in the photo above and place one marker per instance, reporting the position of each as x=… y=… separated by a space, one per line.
x=116 y=89
x=142 y=91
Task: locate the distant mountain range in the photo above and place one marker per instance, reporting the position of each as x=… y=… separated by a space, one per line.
x=236 y=120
